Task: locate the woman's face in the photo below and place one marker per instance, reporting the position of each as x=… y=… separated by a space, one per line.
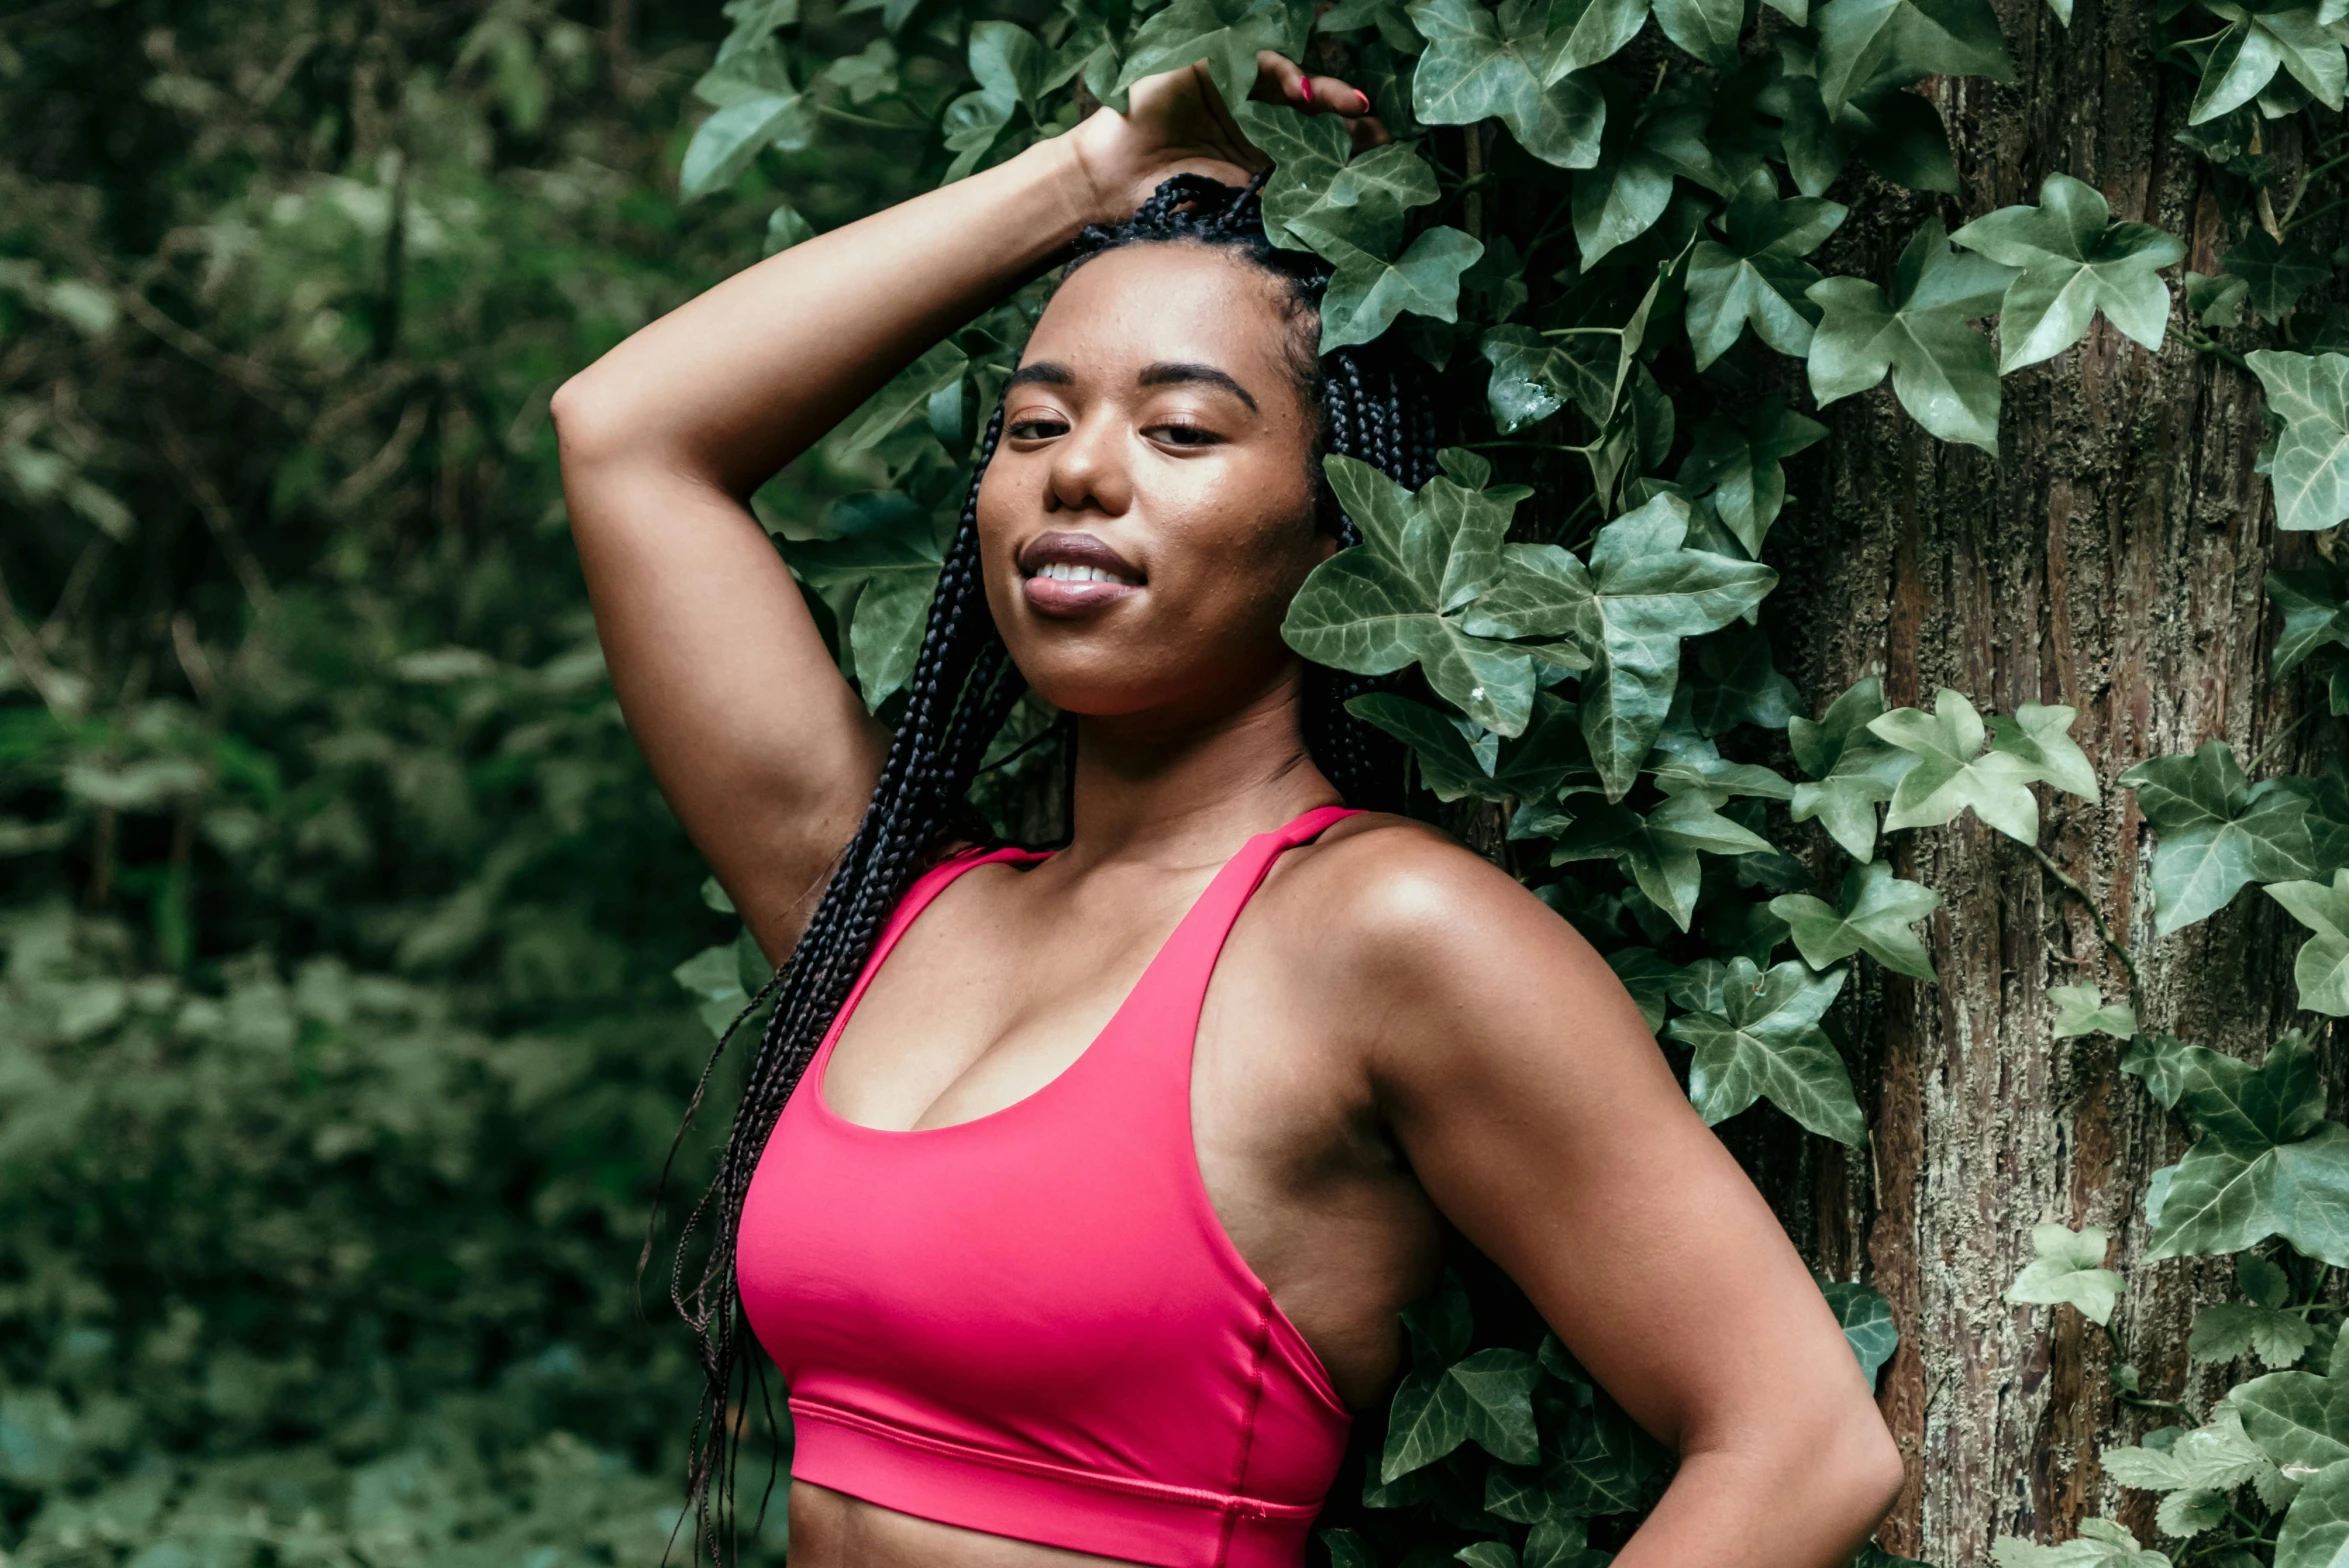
x=1149 y=512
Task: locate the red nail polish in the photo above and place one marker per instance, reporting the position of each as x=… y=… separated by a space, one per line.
x=1365 y=97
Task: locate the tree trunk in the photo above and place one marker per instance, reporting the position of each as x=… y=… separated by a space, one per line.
x=2109 y=558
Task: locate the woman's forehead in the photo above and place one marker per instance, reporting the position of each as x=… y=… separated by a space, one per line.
x=1159 y=303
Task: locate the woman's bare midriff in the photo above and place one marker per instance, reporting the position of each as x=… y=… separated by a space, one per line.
x=834 y=1530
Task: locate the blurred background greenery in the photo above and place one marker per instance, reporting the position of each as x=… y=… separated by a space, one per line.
x=339 y=1046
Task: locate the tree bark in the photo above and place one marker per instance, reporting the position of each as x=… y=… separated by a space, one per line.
x=2109 y=558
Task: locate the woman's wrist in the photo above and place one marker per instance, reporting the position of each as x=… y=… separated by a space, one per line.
x=1058 y=168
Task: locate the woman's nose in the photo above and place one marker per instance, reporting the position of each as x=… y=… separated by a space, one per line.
x=1088 y=470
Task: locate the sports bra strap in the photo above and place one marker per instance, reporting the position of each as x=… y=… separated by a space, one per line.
x=1180 y=974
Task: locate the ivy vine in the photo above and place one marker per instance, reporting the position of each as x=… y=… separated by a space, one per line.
x=1604 y=235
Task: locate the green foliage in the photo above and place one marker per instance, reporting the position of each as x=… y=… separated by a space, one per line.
x=2265 y=1162
x=364 y=750
x=338 y=1048
x=1943 y=372
x=2218 y=832
x=2072 y=264
x=2069 y=1271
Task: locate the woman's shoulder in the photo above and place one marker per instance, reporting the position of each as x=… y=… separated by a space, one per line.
x=1388 y=889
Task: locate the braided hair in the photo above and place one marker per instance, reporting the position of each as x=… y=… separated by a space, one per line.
x=1372 y=405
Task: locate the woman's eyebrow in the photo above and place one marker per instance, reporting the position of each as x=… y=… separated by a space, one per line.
x=1045 y=372
x=1171 y=373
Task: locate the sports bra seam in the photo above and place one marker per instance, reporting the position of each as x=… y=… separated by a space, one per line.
x=1258 y=1349
x=1227 y=1503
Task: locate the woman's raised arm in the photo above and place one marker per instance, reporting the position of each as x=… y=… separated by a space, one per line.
x=762 y=749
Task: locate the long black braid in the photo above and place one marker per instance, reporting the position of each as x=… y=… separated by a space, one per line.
x=1372 y=405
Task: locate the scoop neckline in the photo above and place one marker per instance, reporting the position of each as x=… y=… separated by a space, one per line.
x=822 y=1062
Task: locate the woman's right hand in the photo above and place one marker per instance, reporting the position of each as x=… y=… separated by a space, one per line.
x=1176 y=123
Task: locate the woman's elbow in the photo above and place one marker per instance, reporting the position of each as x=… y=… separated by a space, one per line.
x=1872 y=1465
x=590 y=425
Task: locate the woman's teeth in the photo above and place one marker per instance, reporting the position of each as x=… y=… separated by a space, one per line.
x=1068 y=572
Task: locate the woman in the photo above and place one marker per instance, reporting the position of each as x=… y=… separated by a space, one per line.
x=1077 y=1212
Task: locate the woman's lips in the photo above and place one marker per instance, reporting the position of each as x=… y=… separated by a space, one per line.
x=1068 y=573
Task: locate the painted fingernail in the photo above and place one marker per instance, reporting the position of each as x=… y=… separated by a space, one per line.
x=1304 y=89
x=1365 y=97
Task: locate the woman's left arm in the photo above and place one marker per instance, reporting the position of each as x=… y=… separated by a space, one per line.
x=1541 y=1117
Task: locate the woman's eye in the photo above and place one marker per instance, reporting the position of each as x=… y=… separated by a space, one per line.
x=1183 y=435
x=1035 y=428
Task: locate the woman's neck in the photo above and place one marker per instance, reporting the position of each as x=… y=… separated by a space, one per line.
x=1183 y=790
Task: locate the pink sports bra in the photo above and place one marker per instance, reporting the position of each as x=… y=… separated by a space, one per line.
x=1032 y=1323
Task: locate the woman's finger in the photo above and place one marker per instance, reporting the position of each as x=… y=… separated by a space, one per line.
x=1280 y=79
x=1367 y=131
x=1338 y=97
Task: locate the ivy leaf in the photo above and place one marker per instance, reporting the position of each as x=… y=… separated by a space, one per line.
x=1867 y=1325
x=1878 y=910
x=1872 y=44
x=1853 y=767
x=1648 y=143
x=2215 y=833
x=2259 y=41
x=2069 y=1269
x=2039 y=734
x=1397 y=599
x=1953 y=772
x=1898 y=132
x=1762 y=1040
x=1737 y=682
x=2076 y=262
x=1647 y=592
x=1366 y=295
x=1648 y=976
x=1312 y=183
x=1529 y=769
x=2298 y=1419
x=1659 y=850
x=1562 y=1543
x=1346 y=1549
x=1943 y=371
x=2321 y=972
x=2100 y=1544
x=2315 y=607
x=2266 y=1163
x=2215 y=302
x=1740 y=467
x=2162 y=1061
x=1486 y=1398
x=1685 y=762
x=2081 y=1009
x=1758 y=276
x=2276 y=275
x=1483 y=65
x=1583 y=33
x=1588 y=361
x=2315 y=1532
x=1594 y=1460
x=1225 y=34
x=1707 y=29
x=2309 y=467
x=1427 y=1420
x=1499 y=1387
